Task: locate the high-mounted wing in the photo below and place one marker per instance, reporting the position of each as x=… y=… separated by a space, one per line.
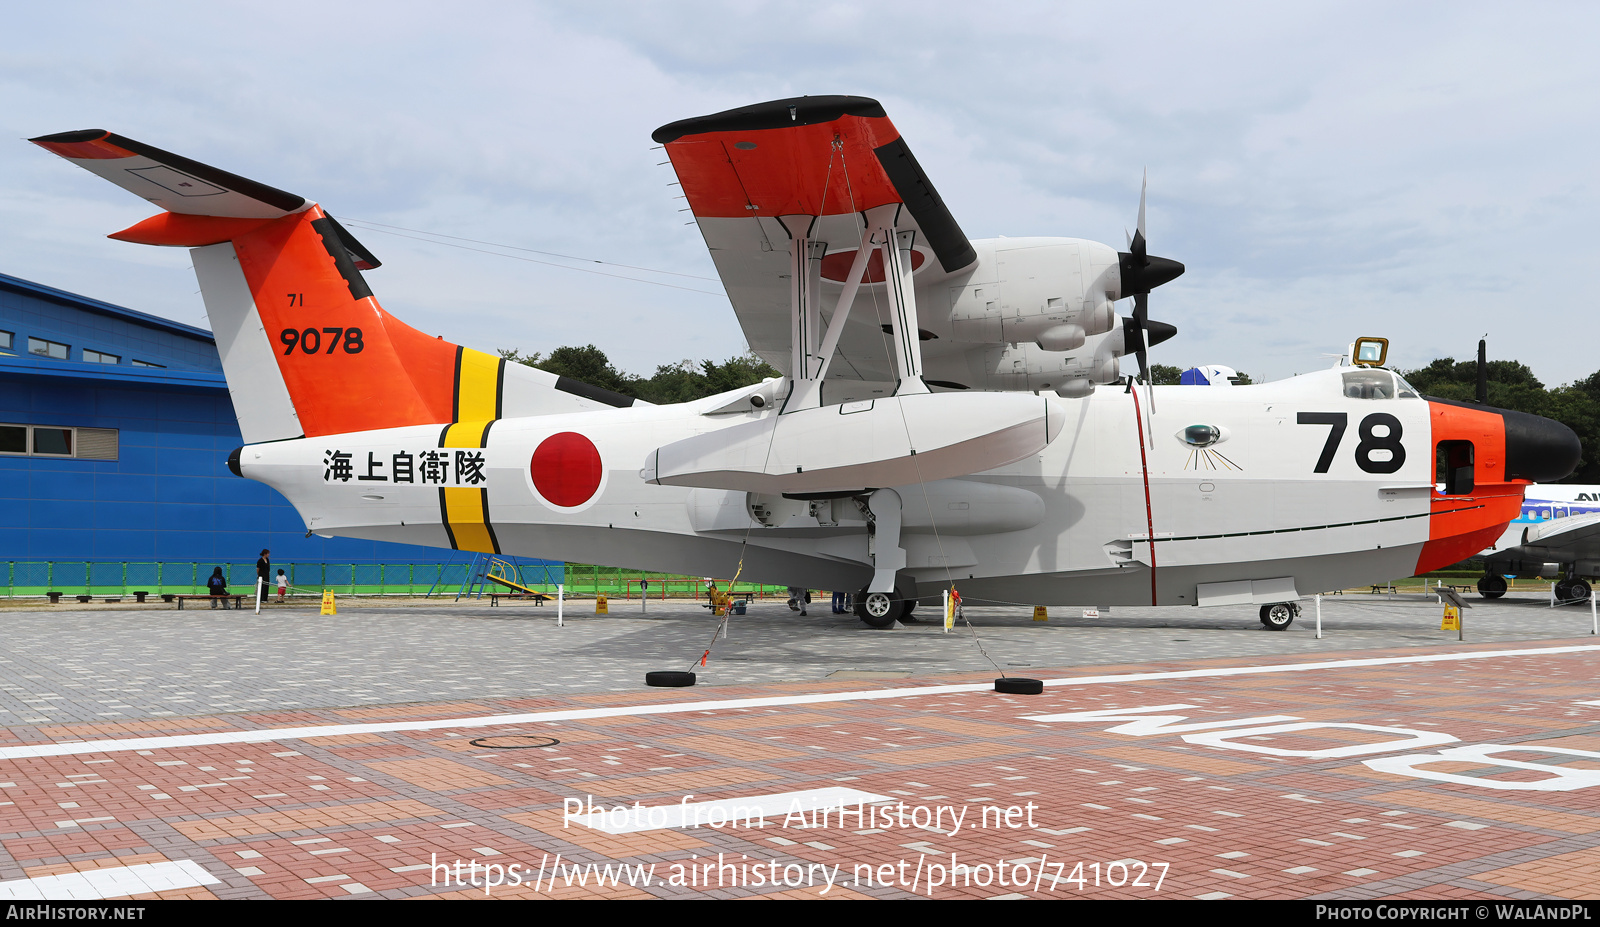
x=758 y=176
x=1560 y=540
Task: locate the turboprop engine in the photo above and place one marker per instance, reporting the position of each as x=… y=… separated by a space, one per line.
x=1057 y=295
x=1054 y=292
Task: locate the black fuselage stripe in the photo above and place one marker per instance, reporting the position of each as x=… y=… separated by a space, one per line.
x=1342 y=524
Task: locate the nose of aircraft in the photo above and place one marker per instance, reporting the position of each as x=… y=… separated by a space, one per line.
x=1538 y=448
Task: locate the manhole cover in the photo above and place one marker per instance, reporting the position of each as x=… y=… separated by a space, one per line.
x=515 y=741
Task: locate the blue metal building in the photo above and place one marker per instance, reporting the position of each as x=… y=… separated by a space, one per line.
x=115 y=428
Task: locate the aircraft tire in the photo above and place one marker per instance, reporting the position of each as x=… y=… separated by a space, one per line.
x=1577 y=591
x=1278 y=616
x=1492 y=587
x=669 y=679
x=1563 y=591
x=878 y=609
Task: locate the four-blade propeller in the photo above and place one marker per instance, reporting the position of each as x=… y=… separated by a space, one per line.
x=1142 y=273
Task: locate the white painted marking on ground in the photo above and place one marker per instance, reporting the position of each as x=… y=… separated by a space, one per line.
x=741 y=812
x=115 y=882
x=72 y=748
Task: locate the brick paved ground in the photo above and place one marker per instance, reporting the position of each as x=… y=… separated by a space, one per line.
x=118 y=663
x=365 y=812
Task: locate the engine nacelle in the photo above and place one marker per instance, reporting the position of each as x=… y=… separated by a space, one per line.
x=1523 y=568
x=1035 y=289
x=1024 y=367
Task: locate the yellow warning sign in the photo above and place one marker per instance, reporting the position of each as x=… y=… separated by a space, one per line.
x=327 y=603
x=1452 y=619
x=1039 y=614
x=600 y=607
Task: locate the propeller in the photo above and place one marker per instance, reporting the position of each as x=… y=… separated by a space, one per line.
x=1142 y=273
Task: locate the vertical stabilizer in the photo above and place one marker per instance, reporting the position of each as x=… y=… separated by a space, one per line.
x=306 y=348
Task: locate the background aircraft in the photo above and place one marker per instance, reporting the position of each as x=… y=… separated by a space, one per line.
x=1556 y=535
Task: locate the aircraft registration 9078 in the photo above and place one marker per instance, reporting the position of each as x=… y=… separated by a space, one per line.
x=937 y=422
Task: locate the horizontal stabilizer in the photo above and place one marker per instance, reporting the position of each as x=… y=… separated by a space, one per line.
x=171 y=181
x=186 y=188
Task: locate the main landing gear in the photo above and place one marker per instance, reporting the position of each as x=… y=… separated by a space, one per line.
x=1279 y=615
x=883 y=609
x=1492 y=586
x=1569 y=591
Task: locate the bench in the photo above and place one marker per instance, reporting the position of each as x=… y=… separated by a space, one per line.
x=538 y=598
x=1382 y=587
x=238 y=600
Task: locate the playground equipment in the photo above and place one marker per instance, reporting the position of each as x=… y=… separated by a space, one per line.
x=490 y=573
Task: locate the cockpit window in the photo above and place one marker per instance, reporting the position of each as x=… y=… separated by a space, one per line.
x=1369 y=383
x=1406 y=390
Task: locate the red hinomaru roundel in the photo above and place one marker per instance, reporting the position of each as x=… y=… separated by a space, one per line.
x=566 y=469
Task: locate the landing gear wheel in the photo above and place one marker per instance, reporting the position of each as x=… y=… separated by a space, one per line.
x=1017 y=685
x=1563 y=590
x=878 y=609
x=1492 y=587
x=669 y=679
x=1279 y=616
x=1572 y=591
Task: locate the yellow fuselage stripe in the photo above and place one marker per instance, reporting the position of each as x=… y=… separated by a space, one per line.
x=478 y=387
x=466 y=509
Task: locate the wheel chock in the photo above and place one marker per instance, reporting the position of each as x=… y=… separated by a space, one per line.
x=669 y=679
x=1017 y=685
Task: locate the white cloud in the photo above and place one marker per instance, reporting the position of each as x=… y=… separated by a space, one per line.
x=1421 y=171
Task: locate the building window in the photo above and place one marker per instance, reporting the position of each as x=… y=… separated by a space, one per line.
x=99 y=357
x=53 y=442
x=5 y=341
x=45 y=348
x=139 y=363
x=56 y=441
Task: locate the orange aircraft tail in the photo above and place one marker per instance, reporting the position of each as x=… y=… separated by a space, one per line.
x=305 y=347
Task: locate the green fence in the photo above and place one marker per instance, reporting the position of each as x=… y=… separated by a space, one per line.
x=584 y=579
x=113 y=578
x=119 y=578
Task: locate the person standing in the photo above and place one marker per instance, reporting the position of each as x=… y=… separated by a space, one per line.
x=263 y=574
x=283 y=584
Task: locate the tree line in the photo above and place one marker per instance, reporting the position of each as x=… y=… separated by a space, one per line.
x=1512 y=385
x=681 y=382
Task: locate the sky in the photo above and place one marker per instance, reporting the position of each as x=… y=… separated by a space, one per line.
x=1421 y=171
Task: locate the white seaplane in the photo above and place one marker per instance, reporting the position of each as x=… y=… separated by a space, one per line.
x=938 y=422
